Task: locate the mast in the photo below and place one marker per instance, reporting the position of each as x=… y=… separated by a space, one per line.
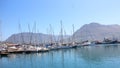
x=53 y=36
x=65 y=36
x=0 y=31
x=61 y=40
x=73 y=37
x=32 y=40
x=22 y=38
x=51 y=33
x=45 y=40
x=35 y=38
x=39 y=38
x=29 y=33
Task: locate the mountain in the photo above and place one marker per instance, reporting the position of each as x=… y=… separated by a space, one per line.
x=33 y=38
x=27 y=37
x=95 y=31
x=92 y=32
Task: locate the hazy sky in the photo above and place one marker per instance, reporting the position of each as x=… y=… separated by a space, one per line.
x=45 y=12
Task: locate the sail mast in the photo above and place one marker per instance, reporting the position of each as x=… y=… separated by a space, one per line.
x=73 y=38
x=22 y=38
x=0 y=31
x=61 y=32
x=51 y=34
x=35 y=39
x=29 y=34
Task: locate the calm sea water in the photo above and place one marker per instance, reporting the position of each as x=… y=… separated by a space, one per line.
x=85 y=57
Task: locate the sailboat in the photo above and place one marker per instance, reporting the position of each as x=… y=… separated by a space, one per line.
x=62 y=43
x=3 y=50
x=73 y=39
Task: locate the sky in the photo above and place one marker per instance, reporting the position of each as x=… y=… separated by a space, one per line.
x=46 y=12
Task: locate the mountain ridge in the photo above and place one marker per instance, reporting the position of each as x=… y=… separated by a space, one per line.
x=93 y=31
x=33 y=38
x=96 y=31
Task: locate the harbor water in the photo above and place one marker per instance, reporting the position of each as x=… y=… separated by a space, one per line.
x=100 y=56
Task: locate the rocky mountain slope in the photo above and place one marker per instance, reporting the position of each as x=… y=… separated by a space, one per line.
x=95 y=31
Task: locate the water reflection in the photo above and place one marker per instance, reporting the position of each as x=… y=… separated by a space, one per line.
x=98 y=53
x=102 y=56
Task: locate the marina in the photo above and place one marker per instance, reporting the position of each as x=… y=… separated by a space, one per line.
x=6 y=49
x=59 y=34
x=100 y=56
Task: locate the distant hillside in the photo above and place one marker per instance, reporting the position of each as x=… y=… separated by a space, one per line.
x=95 y=31
x=34 y=38
x=92 y=31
